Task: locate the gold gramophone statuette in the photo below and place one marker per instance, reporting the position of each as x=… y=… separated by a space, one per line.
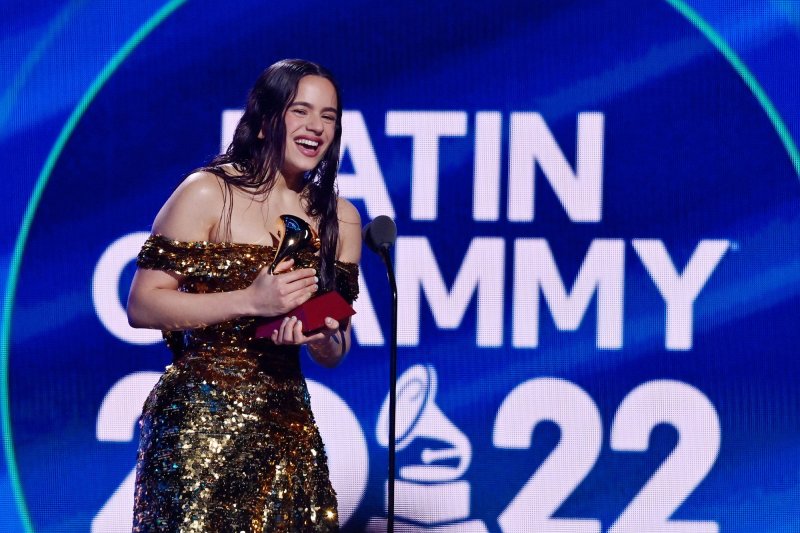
x=297 y=236
x=300 y=242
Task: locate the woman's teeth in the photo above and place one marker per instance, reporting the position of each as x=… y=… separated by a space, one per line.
x=307 y=142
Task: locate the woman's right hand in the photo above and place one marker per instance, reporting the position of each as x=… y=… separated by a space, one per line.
x=273 y=294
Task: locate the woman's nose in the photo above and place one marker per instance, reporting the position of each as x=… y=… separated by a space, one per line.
x=314 y=124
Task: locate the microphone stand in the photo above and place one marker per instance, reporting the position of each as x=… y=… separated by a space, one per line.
x=384 y=253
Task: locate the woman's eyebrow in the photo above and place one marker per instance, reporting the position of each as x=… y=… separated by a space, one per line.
x=309 y=106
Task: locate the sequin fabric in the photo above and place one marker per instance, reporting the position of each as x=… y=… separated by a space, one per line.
x=228 y=439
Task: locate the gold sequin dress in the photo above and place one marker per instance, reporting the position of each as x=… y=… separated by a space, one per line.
x=228 y=439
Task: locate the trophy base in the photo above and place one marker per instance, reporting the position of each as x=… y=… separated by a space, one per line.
x=312 y=314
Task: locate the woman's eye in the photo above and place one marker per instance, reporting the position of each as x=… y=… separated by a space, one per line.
x=299 y=111
x=329 y=118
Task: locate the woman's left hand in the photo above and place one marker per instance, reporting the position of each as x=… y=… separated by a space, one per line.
x=291 y=332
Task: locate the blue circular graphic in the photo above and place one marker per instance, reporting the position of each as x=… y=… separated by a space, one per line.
x=690 y=165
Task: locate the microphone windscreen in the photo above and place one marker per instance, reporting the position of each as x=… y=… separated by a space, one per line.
x=379 y=233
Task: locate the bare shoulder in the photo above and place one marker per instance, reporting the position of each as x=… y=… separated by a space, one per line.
x=347 y=212
x=201 y=186
x=193 y=208
x=349 y=232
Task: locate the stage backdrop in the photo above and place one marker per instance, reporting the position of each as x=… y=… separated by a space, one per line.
x=598 y=265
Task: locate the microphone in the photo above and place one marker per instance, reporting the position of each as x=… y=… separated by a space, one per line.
x=380 y=234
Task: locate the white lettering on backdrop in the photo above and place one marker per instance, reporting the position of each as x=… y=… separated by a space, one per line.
x=481 y=276
x=535 y=269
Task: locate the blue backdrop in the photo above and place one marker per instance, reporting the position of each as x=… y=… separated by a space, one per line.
x=598 y=258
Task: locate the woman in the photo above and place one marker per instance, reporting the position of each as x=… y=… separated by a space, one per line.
x=228 y=440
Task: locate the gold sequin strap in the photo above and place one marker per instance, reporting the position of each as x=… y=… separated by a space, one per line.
x=347 y=280
x=198 y=258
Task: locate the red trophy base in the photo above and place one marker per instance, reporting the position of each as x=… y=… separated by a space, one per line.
x=312 y=314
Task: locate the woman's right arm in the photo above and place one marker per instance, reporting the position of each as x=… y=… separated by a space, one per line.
x=190 y=214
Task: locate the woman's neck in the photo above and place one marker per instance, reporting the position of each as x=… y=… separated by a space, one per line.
x=289 y=182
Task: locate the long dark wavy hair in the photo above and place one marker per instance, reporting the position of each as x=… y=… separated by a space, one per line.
x=258 y=161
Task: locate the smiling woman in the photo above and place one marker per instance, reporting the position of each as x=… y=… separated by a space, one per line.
x=228 y=439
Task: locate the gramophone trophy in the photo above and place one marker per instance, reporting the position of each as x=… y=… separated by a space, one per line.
x=299 y=241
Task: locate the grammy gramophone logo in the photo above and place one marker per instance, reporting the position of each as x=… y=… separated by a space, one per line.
x=429 y=493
